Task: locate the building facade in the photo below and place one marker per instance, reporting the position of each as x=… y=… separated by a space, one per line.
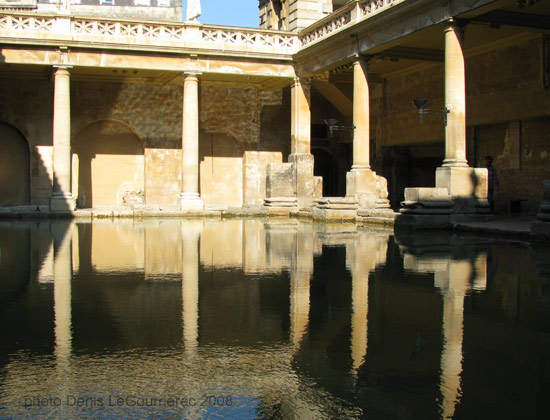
x=116 y=111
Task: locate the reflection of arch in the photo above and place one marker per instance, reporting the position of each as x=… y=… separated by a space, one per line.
x=111 y=165
x=14 y=167
x=326 y=165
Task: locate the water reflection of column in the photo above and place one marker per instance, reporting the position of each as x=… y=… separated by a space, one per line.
x=362 y=257
x=62 y=233
x=190 y=284
x=454 y=284
x=302 y=268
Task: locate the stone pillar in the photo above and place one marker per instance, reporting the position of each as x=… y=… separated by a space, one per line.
x=460 y=180
x=361 y=181
x=300 y=123
x=300 y=128
x=62 y=198
x=190 y=198
x=361 y=117
x=455 y=97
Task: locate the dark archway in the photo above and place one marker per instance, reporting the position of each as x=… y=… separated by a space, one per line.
x=14 y=167
x=326 y=165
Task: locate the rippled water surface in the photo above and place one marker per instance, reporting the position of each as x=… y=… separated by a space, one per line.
x=255 y=319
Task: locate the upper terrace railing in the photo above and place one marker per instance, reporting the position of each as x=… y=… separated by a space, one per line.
x=223 y=39
x=348 y=15
x=98 y=32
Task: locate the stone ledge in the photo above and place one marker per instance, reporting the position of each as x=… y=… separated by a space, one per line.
x=422 y=221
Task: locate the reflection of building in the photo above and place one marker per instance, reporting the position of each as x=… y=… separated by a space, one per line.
x=423 y=326
x=258 y=131
x=456 y=272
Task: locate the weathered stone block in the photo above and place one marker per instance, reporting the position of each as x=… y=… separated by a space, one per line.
x=462 y=181
x=280 y=181
x=317 y=187
x=363 y=185
x=254 y=175
x=303 y=167
x=427 y=194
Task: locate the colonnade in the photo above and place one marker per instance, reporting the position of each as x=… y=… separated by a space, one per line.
x=361 y=180
x=62 y=198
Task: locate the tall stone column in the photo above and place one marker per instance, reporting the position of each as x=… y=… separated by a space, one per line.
x=454 y=174
x=190 y=198
x=361 y=181
x=361 y=117
x=300 y=127
x=455 y=97
x=62 y=198
x=300 y=123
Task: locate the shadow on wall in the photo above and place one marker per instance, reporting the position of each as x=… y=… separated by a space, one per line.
x=110 y=165
x=14 y=167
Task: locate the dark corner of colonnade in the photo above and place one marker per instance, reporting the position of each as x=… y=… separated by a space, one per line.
x=15 y=166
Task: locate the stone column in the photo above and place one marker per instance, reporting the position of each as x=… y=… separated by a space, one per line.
x=460 y=180
x=361 y=117
x=300 y=123
x=190 y=198
x=455 y=97
x=361 y=181
x=62 y=198
x=300 y=132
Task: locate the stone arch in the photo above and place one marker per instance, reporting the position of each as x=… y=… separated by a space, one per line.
x=14 y=167
x=110 y=165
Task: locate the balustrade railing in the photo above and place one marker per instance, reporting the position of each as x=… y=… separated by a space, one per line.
x=350 y=14
x=208 y=35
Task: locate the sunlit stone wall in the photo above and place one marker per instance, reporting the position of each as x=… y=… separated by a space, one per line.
x=128 y=139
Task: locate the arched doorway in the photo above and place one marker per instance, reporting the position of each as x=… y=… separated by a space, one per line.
x=14 y=167
x=111 y=165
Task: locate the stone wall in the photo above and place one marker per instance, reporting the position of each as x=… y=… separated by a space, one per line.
x=230 y=120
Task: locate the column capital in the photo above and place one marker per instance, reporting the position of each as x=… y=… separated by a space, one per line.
x=297 y=81
x=456 y=25
x=190 y=74
x=62 y=68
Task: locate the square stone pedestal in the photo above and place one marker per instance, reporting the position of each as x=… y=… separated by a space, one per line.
x=462 y=181
x=305 y=183
x=362 y=185
x=62 y=202
x=191 y=204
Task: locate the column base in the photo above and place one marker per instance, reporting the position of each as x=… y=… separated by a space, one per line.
x=62 y=202
x=362 y=185
x=191 y=202
x=462 y=181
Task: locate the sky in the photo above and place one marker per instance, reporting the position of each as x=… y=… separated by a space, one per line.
x=228 y=12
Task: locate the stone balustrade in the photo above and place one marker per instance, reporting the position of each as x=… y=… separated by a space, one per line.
x=353 y=12
x=140 y=33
